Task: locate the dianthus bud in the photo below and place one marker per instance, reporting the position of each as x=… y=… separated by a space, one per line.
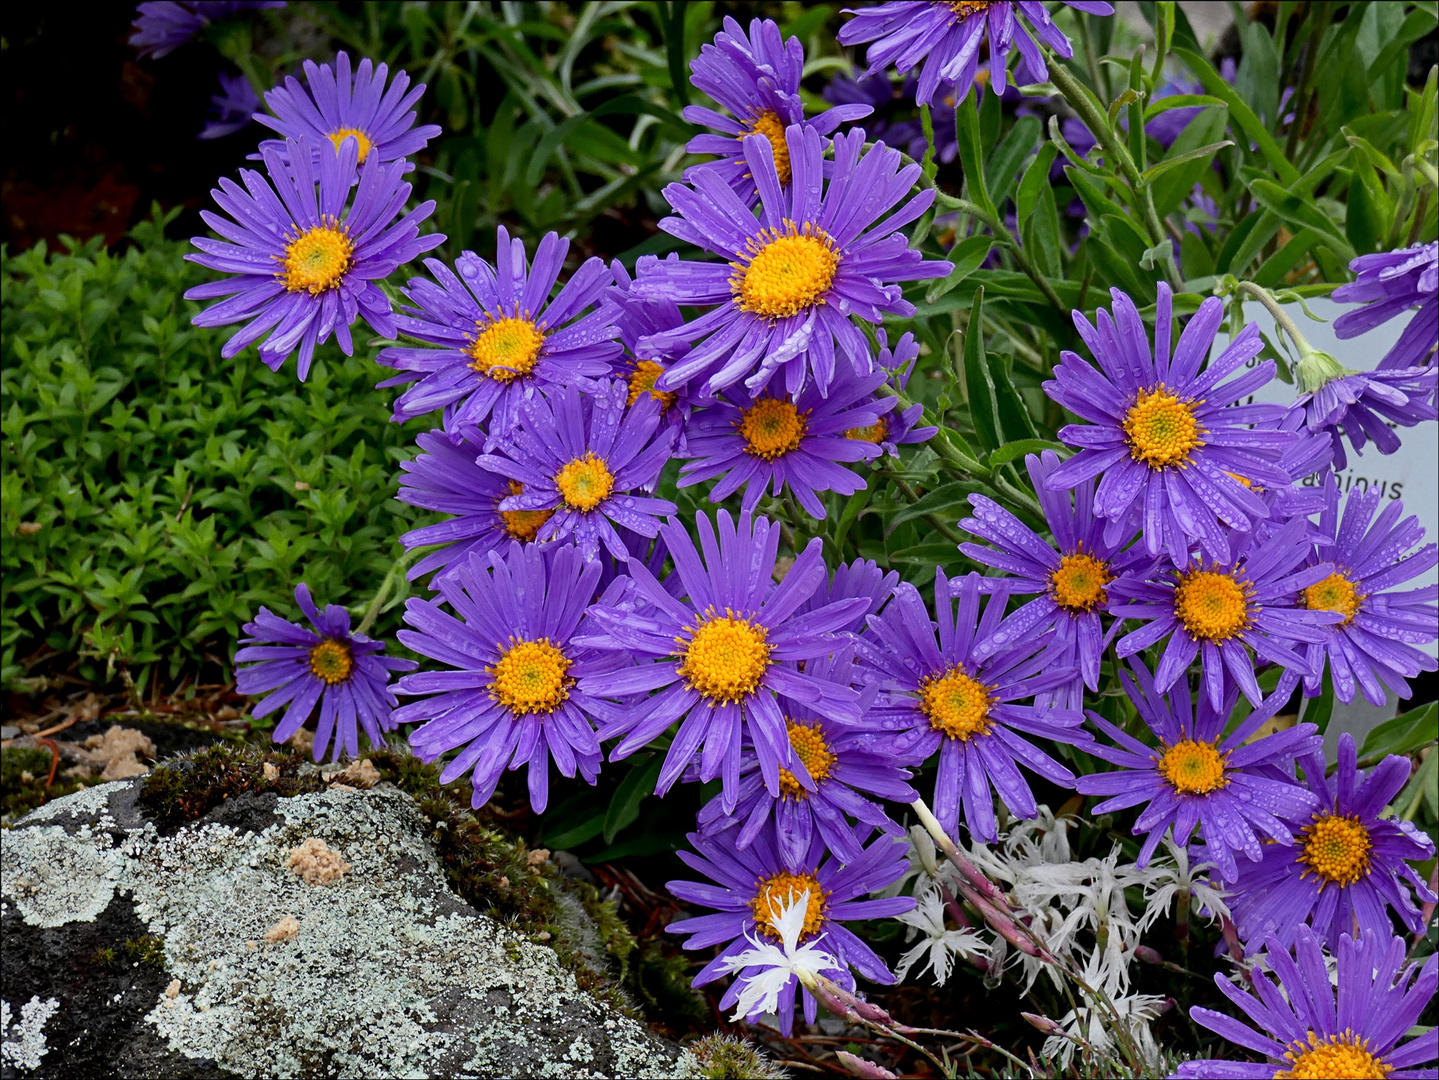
x=1148 y=955
x=1044 y=1024
x=859 y=1067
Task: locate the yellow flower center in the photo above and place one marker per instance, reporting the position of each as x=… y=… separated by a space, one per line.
x=1079 y=582
x=778 y=891
x=507 y=348
x=642 y=381
x=725 y=657
x=1336 y=849
x=331 y=661
x=790 y=270
x=523 y=524
x=318 y=258
x=1162 y=430
x=771 y=428
x=771 y=127
x=1193 y=768
x=530 y=677
x=338 y=137
x=1334 y=593
x=810 y=747
x=1213 y=605
x=585 y=482
x=875 y=433
x=956 y=705
x=1341 y=1057
x=965 y=8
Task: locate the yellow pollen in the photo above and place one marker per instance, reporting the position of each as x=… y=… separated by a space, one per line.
x=1193 y=768
x=338 y=137
x=331 y=661
x=771 y=428
x=318 y=258
x=1334 y=593
x=523 y=524
x=956 y=705
x=530 y=677
x=1336 y=849
x=506 y=349
x=1340 y=1057
x=1212 y=604
x=642 y=380
x=1244 y=480
x=810 y=747
x=875 y=433
x=585 y=482
x=1162 y=430
x=771 y=127
x=1079 y=582
x=790 y=270
x=776 y=892
x=965 y=8
x=725 y=657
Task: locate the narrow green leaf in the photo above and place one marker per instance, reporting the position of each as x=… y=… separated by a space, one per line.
x=1402 y=735
x=1012 y=451
x=978 y=388
x=1036 y=177
x=1179 y=101
x=1202 y=153
x=672 y=25
x=949 y=501
x=1301 y=211
x=971 y=153
x=1014 y=420
x=624 y=806
x=967 y=257
x=1241 y=114
x=1003 y=165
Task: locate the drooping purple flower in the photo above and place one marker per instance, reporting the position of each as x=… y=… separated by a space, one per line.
x=757 y=79
x=1072 y=576
x=235 y=107
x=945 y=698
x=1372 y=644
x=723 y=650
x=945 y=39
x=513 y=697
x=1349 y=865
x=445 y=477
x=332 y=106
x=1389 y=284
x=1219 y=612
x=825 y=248
x=847 y=762
x=581 y=456
x=344 y=673
x=776 y=441
x=752 y=883
x=162 y=26
x=1174 y=447
x=1363 y=405
x=496 y=336
x=1228 y=787
x=303 y=257
x=1309 y=1027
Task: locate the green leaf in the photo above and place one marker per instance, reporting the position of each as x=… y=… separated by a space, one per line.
x=1179 y=101
x=1364 y=221
x=1036 y=177
x=1240 y=113
x=971 y=153
x=1003 y=165
x=549 y=143
x=1014 y=421
x=1402 y=735
x=950 y=501
x=1020 y=447
x=672 y=26
x=624 y=806
x=967 y=256
x=979 y=389
x=1203 y=154
x=1300 y=211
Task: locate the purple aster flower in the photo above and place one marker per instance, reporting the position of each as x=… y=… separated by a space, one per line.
x=1175 y=447
x=883 y=98
x=162 y=26
x=1221 y=611
x=1071 y=575
x=1364 y=405
x=775 y=441
x=723 y=650
x=579 y=456
x=334 y=106
x=497 y=335
x=1197 y=776
x=635 y=319
x=825 y=248
x=861 y=578
x=946 y=37
x=1372 y=644
x=1389 y=284
x=303 y=267
x=235 y=106
x=946 y=699
x=1309 y=1027
x=846 y=763
x=342 y=672
x=445 y=477
x=895 y=428
x=752 y=882
x=1348 y=868
x=513 y=697
x=757 y=79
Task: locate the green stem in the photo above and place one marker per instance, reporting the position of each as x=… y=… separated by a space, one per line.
x=1005 y=237
x=1280 y=315
x=940 y=525
x=378 y=601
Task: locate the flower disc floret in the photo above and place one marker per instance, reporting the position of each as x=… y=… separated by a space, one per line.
x=772 y=428
x=774 y=892
x=522 y=524
x=1079 y=583
x=331 y=662
x=956 y=704
x=790 y=270
x=507 y=348
x=317 y=259
x=875 y=433
x=810 y=747
x=531 y=677
x=642 y=381
x=1334 y=593
x=361 y=139
x=1162 y=430
x=769 y=124
x=725 y=658
x=1213 y=605
x=585 y=482
x=1193 y=767
x=1336 y=849
x=1341 y=1057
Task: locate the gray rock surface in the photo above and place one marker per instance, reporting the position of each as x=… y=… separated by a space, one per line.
x=382 y=972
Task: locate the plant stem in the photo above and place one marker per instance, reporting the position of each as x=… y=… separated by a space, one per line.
x=1005 y=237
x=1280 y=315
x=378 y=601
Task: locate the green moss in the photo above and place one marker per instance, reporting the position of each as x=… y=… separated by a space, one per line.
x=23 y=770
x=145 y=950
x=660 y=983
x=725 y=1057
x=105 y=957
x=188 y=786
